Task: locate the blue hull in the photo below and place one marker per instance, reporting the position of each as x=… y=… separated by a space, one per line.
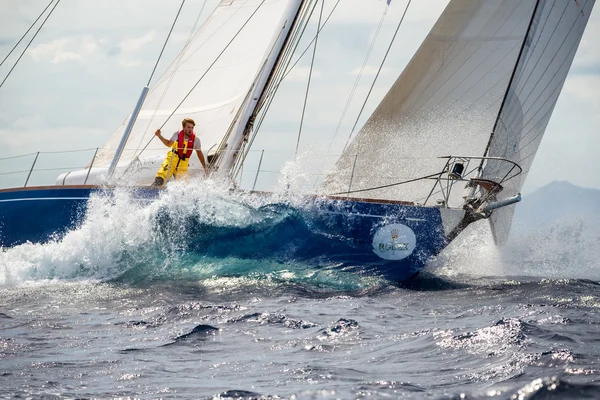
x=39 y=214
x=390 y=240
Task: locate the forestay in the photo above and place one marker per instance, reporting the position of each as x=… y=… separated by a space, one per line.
x=223 y=80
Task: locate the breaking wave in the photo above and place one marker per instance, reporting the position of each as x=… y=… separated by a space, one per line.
x=192 y=231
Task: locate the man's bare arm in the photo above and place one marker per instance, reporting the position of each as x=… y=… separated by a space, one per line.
x=166 y=142
x=202 y=161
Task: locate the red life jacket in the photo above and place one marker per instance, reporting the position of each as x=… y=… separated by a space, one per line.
x=181 y=142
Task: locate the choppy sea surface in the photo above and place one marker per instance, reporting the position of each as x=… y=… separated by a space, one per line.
x=111 y=311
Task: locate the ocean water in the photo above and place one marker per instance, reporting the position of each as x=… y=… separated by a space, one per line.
x=118 y=309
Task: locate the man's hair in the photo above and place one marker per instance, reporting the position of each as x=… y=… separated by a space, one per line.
x=185 y=121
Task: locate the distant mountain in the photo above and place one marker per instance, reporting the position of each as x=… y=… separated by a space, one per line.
x=558 y=202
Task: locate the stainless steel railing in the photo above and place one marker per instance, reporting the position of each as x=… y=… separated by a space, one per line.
x=42 y=167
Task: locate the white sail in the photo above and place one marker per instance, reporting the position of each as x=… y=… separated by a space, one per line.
x=547 y=55
x=230 y=147
x=445 y=102
x=222 y=60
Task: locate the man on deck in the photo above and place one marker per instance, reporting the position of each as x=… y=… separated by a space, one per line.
x=182 y=144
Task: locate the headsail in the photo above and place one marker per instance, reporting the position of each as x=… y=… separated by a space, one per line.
x=483 y=84
x=547 y=55
x=445 y=101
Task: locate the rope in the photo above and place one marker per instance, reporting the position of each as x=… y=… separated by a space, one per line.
x=390 y=185
x=47 y=152
x=13 y=157
x=25 y=34
x=378 y=72
x=26 y=47
x=312 y=62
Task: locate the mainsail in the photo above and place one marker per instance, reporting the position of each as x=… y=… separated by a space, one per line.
x=222 y=61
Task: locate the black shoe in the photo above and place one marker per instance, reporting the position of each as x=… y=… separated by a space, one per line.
x=158 y=181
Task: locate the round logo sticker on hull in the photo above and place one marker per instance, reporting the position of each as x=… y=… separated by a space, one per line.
x=394 y=242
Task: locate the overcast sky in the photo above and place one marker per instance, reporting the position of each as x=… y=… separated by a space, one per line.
x=83 y=73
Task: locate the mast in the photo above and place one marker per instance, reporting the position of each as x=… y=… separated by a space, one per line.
x=232 y=142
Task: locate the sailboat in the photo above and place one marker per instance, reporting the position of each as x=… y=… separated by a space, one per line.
x=450 y=143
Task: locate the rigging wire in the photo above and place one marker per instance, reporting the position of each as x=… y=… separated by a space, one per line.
x=275 y=86
x=377 y=74
x=208 y=69
x=543 y=74
x=25 y=34
x=48 y=152
x=362 y=68
x=26 y=47
x=289 y=51
x=288 y=70
x=531 y=69
x=353 y=91
x=249 y=123
x=547 y=114
x=19 y=156
x=148 y=84
x=165 y=44
x=274 y=73
x=545 y=47
x=312 y=62
x=269 y=97
x=297 y=36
